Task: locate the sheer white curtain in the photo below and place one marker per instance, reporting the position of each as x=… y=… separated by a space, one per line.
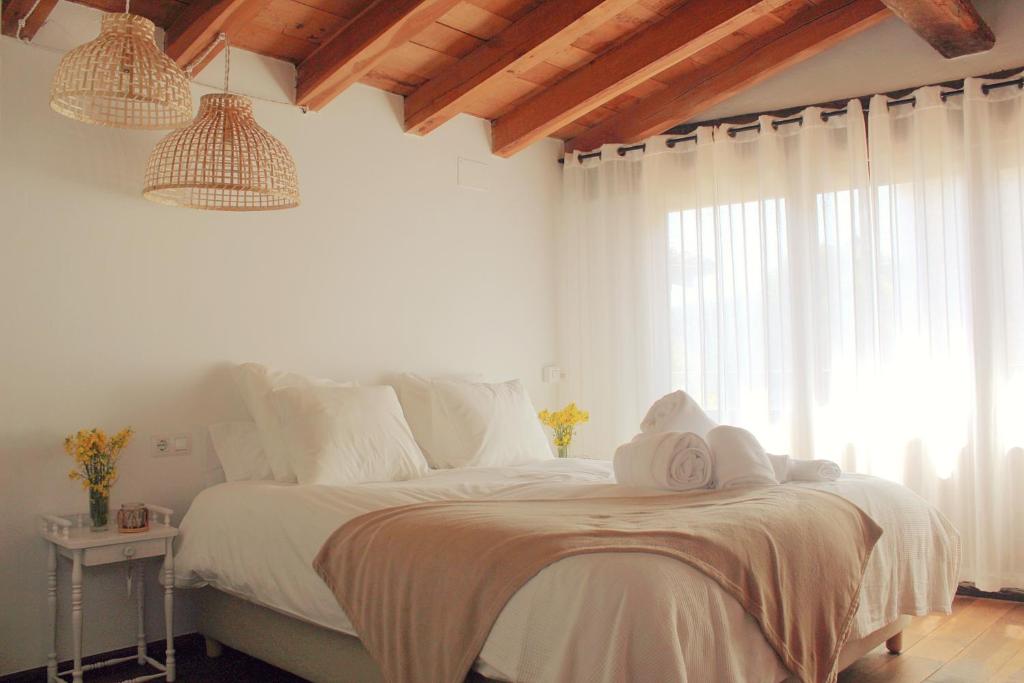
x=706 y=252
x=867 y=312
x=613 y=300
x=949 y=221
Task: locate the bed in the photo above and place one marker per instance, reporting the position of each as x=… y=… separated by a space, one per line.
x=250 y=545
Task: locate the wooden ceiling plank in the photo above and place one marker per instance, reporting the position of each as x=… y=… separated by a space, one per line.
x=694 y=26
x=200 y=23
x=806 y=34
x=476 y=21
x=16 y=10
x=521 y=46
x=361 y=45
x=160 y=12
x=507 y=9
x=297 y=20
x=633 y=19
x=261 y=39
x=953 y=27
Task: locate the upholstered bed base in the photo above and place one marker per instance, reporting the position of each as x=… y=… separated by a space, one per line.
x=320 y=654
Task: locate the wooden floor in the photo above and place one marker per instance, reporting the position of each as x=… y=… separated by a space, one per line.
x=981 y=642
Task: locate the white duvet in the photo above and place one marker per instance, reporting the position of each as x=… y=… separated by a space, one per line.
x=610 y=617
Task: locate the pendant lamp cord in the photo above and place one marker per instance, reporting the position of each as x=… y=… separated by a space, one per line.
x=221 y=37
x=24 y=20
x=227 y=59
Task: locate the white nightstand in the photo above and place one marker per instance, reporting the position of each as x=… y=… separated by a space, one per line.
x=70 y=536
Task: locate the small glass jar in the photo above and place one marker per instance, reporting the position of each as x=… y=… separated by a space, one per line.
x=133 y=518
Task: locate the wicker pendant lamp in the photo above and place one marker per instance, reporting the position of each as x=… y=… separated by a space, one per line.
x=223 y=160
x=122 y=79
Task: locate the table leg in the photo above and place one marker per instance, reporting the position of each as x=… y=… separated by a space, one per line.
x=76 y=615
x=51 y=603
x=140 y=610
x=169 y=606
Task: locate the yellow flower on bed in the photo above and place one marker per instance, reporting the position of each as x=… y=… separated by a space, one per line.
x=563 y=423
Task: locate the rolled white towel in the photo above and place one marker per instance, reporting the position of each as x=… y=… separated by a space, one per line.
x=790 y=469
x=677 y=412
x=780 y=466
x=666 y=460
x=739 y=459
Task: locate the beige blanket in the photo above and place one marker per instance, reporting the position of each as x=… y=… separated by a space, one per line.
x=424 y=583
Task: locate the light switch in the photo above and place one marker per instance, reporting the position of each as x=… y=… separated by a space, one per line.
x=182 y=444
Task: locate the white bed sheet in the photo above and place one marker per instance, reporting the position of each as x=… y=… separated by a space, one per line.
x=603 y=617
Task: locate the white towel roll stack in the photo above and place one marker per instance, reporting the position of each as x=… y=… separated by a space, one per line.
x=675 y=461
x=677 y=412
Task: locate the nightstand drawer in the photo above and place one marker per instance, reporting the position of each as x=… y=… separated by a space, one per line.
x=120 y=552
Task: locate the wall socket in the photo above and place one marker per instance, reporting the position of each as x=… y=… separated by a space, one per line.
x=551 y=374
x=164 y=445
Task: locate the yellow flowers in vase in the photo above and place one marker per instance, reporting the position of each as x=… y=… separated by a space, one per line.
x=95 y=458
x=563 y=423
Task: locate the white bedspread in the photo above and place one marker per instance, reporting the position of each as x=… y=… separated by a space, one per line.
x=588 y=617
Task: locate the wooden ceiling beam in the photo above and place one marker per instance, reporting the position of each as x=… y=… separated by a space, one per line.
x=533 y=38
x=953 y=27
x=361 y=44
x=200 y=23
x=15 y=10
x=692 y=27
x=804 y=35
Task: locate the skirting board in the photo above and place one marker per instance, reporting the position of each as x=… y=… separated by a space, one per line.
x=1012 y=594
x=320 y=654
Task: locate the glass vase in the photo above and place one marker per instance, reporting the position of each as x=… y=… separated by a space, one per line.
x=99 y=510
x=563 y=451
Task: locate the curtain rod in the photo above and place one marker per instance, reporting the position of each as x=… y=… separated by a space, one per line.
x=825 y=116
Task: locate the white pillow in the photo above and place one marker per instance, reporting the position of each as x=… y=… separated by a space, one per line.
x=414 y=393
x=256 y=382
x=340 y=435
x=485 y=425
x=240 y=450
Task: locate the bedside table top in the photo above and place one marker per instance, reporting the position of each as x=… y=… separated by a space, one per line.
x=83 y=537
x=74 y=533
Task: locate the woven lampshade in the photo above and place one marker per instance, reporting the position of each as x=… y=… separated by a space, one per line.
x=222 y=161
x=122 y=79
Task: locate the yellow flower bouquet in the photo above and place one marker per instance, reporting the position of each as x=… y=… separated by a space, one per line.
x=95 y=458
x=563 y=423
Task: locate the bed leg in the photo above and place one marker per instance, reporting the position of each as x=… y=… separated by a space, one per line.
x=213 y=647
x=895 y=644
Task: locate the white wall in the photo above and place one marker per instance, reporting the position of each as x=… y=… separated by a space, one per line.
x=115 y=311
x=883 y=58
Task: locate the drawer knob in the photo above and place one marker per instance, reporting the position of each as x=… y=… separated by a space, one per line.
x=129 y=551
